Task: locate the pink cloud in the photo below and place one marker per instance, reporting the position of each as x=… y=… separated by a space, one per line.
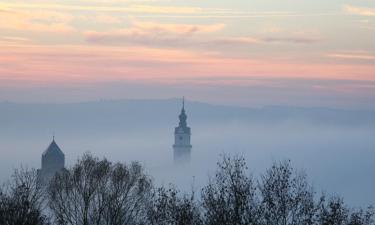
x=292 y=39
x=94 y=64
x=183 y=29
x=148 y=33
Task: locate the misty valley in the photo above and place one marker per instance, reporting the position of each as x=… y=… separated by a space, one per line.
x=334 y=147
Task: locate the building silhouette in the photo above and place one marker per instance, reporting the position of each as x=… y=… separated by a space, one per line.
x=182 y=138
x=53 y=161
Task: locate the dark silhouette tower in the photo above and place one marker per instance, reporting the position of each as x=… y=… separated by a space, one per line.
x=182 y=133
x=53 y=161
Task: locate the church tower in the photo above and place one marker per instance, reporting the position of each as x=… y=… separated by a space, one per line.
x=53 y=161
x=182 y=134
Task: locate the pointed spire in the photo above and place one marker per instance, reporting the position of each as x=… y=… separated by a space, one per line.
x=53 y=148
x=182 y=115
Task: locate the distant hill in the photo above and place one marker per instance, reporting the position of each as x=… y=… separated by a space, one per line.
x=127 y=115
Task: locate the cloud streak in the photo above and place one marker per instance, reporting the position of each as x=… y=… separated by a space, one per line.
x=98 y=8
x=95 y=64
x=153 y=34
x=83 y=42
x=184 y=29
x=152 y=10
x=39 y=21
x=361 y=11
x=190 y=36
x=353 y=55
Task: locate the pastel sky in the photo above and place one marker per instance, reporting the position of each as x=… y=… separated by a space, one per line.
x=242 y=52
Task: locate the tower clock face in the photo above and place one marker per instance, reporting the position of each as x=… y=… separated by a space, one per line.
x=181 y=137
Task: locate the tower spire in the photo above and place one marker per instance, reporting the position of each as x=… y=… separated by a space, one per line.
x=182 y=146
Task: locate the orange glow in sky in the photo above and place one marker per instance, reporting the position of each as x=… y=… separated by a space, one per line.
x=230 y=43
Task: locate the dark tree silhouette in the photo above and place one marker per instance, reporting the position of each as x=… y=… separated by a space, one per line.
x=98 y=192
x=334 y=212
x=286 y=196
x=34 y=189
x=168 y=207
x=95 y=192
x=361 y=217
x=229 y=198
x=21 y=203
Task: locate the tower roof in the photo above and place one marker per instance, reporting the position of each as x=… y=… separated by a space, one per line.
x=53 y=149
x=183 y=115
x=182 y=126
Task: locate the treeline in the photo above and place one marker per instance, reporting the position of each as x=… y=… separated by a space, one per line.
x=98 y=192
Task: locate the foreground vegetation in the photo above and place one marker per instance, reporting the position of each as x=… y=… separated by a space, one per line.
x=98 y=192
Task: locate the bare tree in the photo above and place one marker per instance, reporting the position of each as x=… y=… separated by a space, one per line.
x=335 y=212
x=229 y=198
x=170 y=207
x=35 y=190
x=286 y=196
x=332 y=212
x=95 y=192
x=21 y=203
x=98 y=192
x=128 y=192
x=362 y=217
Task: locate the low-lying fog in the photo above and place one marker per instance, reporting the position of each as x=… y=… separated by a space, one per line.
x=335 y=147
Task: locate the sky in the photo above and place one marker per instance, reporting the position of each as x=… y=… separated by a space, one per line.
x=238 y=52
